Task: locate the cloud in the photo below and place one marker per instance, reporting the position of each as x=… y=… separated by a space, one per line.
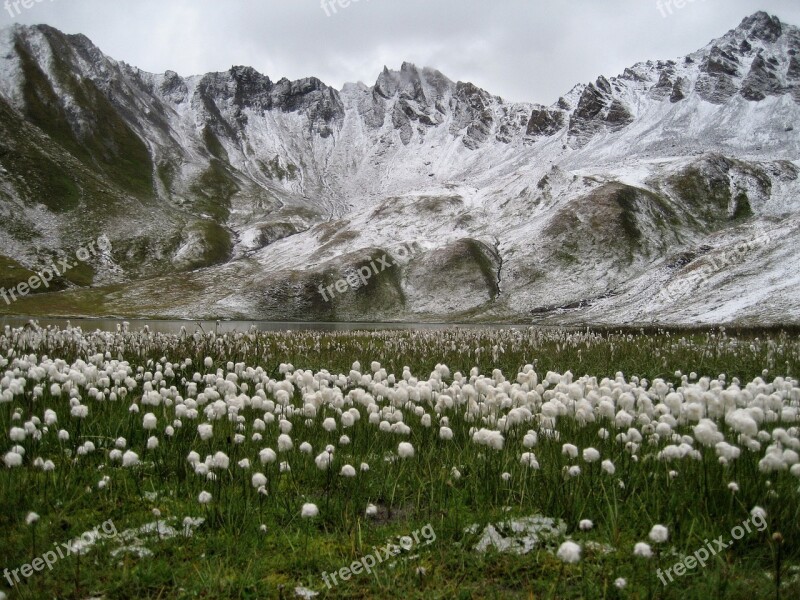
x=525 y=50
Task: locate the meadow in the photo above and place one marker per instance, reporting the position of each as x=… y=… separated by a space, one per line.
x=463 y=463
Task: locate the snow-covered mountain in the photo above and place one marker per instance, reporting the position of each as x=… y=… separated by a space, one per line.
x=668 y=193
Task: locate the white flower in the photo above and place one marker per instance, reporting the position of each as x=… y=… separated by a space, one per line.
x=130 y=459
x=267 y=456
x=244 y=463
x=17 y=434
x=405 y=450
x=31 y=518
x=569 y=552
x=348 y=471
x=608 y=467
x=284 y=443
x=152 y=442
x=206 y=431
x=506 y=476
x=760 y=512
x=284 y=467
x=344 y=441
x=371 y=511
x=528 y=459
x=79 y=411
x=364 y=467
x=643 y=550
x=258 y=480
x=306 y=448
x=445 y=433
x=204 y=498
x=733 y=487
x=585 y=525
x=659 y=534
x=329 y=424
x=323 y=460
x=149 y=422
x=63 y=435
x=309 y=511
x=620 y=583
x=591 y=455
x=221 y=461
x=569 y=450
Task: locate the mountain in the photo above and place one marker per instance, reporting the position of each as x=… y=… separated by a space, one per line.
x=666 y=194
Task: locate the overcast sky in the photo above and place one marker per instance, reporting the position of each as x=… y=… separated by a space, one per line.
x=524 y=50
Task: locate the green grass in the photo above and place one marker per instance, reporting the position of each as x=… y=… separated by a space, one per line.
x=228 y=556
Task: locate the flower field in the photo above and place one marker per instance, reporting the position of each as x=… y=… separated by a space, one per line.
x=520 y=463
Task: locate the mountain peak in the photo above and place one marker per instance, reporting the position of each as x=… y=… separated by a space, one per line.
x=762 y=26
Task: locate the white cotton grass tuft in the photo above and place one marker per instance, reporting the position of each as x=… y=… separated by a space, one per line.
x=348 y=471
x=204 y=498
x=284 y=443
x=569 y=552
x=405 y=450
x=620 y=583
x=658 y=534
x=309 y=511
x=371 y=510
x=323 y=460
x=130 y=459
x=591 y=455
x=205 y=431
x=267 y=456
x=31 y=518
x=12 y=459
x=642 y=550
x=149 y=422
x=585 y=525
x=569 y=450
x=221 y=461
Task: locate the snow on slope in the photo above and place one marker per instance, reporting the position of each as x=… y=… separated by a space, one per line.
x=584 y=211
